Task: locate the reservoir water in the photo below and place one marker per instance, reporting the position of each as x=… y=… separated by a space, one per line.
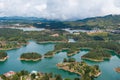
x=49 y=64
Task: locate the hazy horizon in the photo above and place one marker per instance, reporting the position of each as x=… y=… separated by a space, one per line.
x=59 y=9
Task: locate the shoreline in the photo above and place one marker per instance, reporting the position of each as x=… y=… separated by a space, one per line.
x=23 y=59
x=63 y=67
x=48 y=56
x=95 y=60
x=71 y=54
x=43 y=42
x=14 y=47
x=4 y=59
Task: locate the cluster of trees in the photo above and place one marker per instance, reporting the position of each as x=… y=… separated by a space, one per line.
x=12 y=38
x=99 y=48
x=31 y=56
x=97 y=54
x=3 y=54
x=7 y=34
x=84 y=70
x=21 y=36
x=93 y=44
x=69 y=60
x=46 y=35
x=97 y=36
x=25 y=75
x=49 y=54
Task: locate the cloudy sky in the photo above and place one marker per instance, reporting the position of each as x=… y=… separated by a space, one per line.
x=59 y=9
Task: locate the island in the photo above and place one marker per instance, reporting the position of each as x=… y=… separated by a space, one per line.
x=86 y=71
x=33 y=56
x=49 y=54
x=97 y=55
x=117 y=69
x=72 y=52
x=3 y=56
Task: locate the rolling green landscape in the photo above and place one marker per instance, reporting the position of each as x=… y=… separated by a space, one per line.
x=101 y=39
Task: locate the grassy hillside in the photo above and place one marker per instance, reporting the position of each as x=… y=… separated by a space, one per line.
x=105 y=22
x=109 y=22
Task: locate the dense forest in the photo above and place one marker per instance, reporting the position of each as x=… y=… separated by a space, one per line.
x=2 y=55
x=84 y=70
x=30 y=56
x=98 y=50
x=13 y=38
x=97 y=54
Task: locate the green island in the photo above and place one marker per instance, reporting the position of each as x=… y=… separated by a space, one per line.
x=97 y=55
x=83 y=69
x=117 y=69
x=49 y=54
x=3 y=56
x=30 y=56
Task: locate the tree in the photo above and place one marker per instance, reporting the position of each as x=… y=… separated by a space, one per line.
x=71 y=60
x=65 y=60
x=77 y=79
x=45 y=77
x=33 y=75
x=24 y=72
x=50 y=75
x=67 y=79
x=58 y=77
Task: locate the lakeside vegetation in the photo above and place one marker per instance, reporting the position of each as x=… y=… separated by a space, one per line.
x=30 y=56
x=97 y=54
x=13 y=38
x=49 y=54
x=84 y=70
x=3 y=56
x=25 y=75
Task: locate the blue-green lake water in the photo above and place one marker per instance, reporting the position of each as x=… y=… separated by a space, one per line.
x=49 y=64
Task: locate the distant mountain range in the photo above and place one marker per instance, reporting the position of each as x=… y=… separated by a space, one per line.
x=105 y=22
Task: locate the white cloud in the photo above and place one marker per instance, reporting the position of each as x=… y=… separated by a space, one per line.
x=59 y=9
x=41 y=7
x=1 y=5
